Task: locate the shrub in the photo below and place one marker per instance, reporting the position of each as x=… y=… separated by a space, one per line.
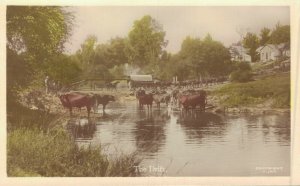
x=241 y=76
x=35 y=153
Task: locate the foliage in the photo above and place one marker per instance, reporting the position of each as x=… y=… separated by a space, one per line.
x=145 y=42
x=241 y=76
x=203 y=57
x=242 y=72
x=251 y=42
x=117 y=71
x=38 y=145
x=98 y=60
x=41 y=31
x=16 y=70
x=35 y=34
x=264 y=36
x=34 y=153
x=26 y=118
x=63 y=69
x=280 y=34
x=275 y=88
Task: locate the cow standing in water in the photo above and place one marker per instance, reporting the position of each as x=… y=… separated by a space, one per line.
x=70 y=100
x=146 y=99
x=103 y=100
x=194 y=100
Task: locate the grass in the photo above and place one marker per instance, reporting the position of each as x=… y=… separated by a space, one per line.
x=274 y=89
x=38 y=147
x=34 y=153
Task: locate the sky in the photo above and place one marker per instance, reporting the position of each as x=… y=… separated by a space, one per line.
x=178 y=22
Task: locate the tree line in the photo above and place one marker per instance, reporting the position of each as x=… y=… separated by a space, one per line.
x=35 y=48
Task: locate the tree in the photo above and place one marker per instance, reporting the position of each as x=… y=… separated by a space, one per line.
x=145 y=42
x=34 y=35
x=281 y=34
x=214 y=56
x=115 y=53
x=192 y=53
x=86 y=55
x=41 y=31
x=251 y=42
x=63 y=69
x=264 y=36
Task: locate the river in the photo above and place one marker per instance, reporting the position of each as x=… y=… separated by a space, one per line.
x=174 y=143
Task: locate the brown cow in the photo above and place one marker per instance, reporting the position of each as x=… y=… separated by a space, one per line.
x=146 y=99
x=70 y=100
x=193 y=100
x=103 y=100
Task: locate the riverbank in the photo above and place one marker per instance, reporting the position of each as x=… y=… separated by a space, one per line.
x=267 y=94
x=38 y=144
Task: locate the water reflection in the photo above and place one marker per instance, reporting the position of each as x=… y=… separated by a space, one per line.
x=150 y=130
x=196 y=143
x=82 y=128
x=199 y=125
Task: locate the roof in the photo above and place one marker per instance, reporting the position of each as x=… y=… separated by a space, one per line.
x=141 y=77
x=259 y=48
x=281 y=46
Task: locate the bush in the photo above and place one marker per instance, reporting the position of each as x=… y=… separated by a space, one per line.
x=241 y=76
x=34 y=153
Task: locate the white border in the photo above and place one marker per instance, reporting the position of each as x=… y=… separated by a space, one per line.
x=295 y=139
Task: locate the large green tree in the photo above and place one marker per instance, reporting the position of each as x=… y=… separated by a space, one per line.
x=145 y=42
x=35 y=36
x=204 y=57
x=41 y=31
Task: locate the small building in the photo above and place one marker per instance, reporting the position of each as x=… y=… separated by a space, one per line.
x=140 y=80
x=271 y=52
x=239 y=53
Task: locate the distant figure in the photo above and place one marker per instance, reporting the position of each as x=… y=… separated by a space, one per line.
x=47 y=84
x=53 y=87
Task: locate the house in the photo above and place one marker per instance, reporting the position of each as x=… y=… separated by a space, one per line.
x=271 y=52
x=239 y=53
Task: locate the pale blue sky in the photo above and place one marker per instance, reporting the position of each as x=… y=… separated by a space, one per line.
x=178 y=22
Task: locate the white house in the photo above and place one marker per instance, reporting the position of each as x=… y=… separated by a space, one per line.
x=239 y=53
x=272 y=52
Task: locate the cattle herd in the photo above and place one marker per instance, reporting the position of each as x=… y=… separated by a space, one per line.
x=188 y=95
x=187 y=99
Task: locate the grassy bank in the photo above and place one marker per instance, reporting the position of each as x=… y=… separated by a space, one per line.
x=37 y=146
x=272 y=91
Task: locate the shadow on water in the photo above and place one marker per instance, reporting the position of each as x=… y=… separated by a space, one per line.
x=150 y=130
x=82 y=128
x=275 y=127
x=199 y=125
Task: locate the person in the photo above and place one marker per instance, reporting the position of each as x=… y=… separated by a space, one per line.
x=46 y=84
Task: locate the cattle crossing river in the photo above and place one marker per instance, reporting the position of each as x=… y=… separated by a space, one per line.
x=174 y=143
